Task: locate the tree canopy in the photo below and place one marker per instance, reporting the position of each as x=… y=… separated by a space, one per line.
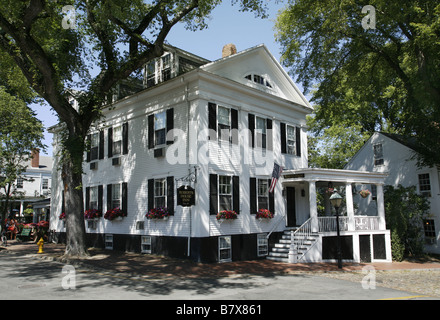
x=383 y=77
x=90 y=46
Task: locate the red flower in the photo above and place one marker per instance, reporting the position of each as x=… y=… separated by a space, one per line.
x=264 y=214
x=226 y=215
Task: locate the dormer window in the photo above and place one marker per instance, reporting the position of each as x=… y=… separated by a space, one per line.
x=258 y=79
x=158 y=70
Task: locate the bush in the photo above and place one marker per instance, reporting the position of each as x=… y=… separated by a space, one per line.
x=397 y=248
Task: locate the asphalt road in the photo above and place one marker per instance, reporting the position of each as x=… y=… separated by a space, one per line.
x=24 y=278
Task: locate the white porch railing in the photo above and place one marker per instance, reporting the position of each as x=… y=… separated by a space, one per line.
x=298 y=238
x=366 y=223
x=328 y=224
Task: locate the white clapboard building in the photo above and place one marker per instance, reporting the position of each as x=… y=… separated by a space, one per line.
x=385 y=152
x=217 y=128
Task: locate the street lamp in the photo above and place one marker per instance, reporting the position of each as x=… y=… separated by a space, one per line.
x=336 y=201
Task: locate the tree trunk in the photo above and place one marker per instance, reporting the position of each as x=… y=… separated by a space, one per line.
x=73 y=197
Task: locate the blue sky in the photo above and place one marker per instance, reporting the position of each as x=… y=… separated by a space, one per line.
x=227 y=25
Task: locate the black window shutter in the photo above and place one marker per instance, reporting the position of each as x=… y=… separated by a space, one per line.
x=170 y=195
x=109 y=197
x=100 y=197
x=269 y=137
x=110 y=142
x=170 y=123
x=283 y=138
x=150 y=194
x=213 y=194
x=124 y=198
x=234 y=126
x=87 y=206
x=298 y=141
x=253 y=195
x=251 y=124
x=125 y=138
x=88 y=145
x=271 y=199
x=151 y=131
x=212 y=118
x=236 y=194
x=101 y=144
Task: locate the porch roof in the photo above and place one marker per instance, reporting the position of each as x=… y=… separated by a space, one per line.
x=334 y=175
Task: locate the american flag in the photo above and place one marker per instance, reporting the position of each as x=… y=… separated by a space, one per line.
x=276 y=173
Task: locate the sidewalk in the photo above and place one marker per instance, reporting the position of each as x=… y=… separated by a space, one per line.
x=158 y=267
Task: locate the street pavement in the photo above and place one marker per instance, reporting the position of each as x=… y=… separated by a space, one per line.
x=112 y=275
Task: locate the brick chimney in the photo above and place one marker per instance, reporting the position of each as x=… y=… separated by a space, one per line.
x=229 y=50
x=35 y=161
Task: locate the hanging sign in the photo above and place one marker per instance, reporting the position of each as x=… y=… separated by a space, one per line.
x=186 y=196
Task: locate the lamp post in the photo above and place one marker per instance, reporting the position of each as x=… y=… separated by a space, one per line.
x=336 y=201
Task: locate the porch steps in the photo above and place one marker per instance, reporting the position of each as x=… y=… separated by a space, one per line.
x=280 y=252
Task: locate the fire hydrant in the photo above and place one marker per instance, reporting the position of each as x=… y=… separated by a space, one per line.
x=40 y=244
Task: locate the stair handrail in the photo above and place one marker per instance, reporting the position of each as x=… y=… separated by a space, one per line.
x=302 y=234
x=276 y=225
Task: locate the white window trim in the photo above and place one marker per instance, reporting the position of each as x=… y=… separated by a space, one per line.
x=146 y=244
x=164 y=191
x=225 y=194
x=428 y=193
x=262 y=236
x=267 y=193
x=114 y=186
x=94 y=199
x=156 y=144
x=220 y=249
x=114 y=141
x=108 y=241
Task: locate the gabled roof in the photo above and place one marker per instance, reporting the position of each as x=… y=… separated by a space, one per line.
x=258 y=61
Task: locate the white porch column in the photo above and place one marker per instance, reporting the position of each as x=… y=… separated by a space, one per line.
x=350 y=207
x=381 y=207
x=313 y=206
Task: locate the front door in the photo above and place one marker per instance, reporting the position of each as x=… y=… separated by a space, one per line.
x=291 y=207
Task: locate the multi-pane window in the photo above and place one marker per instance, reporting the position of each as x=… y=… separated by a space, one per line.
x=19 y=183
x=263 y=194
x=429 y=228
x=224 y=249
x=94 y=146
x=93 y=202
x=108 y=241
x=425 y=184
x=146 y=244
x=116 y=196
x=117 y=140
x=291 y=140
x=261 y=132
x=151 y=73
x=45 y=184
x=225 y=193
x=378 y=154
x=166 y=67
x=262 y=245
x=224 y=123
x=160 y=124
x=160 y=193
x=258 y=79
x=158 y=70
